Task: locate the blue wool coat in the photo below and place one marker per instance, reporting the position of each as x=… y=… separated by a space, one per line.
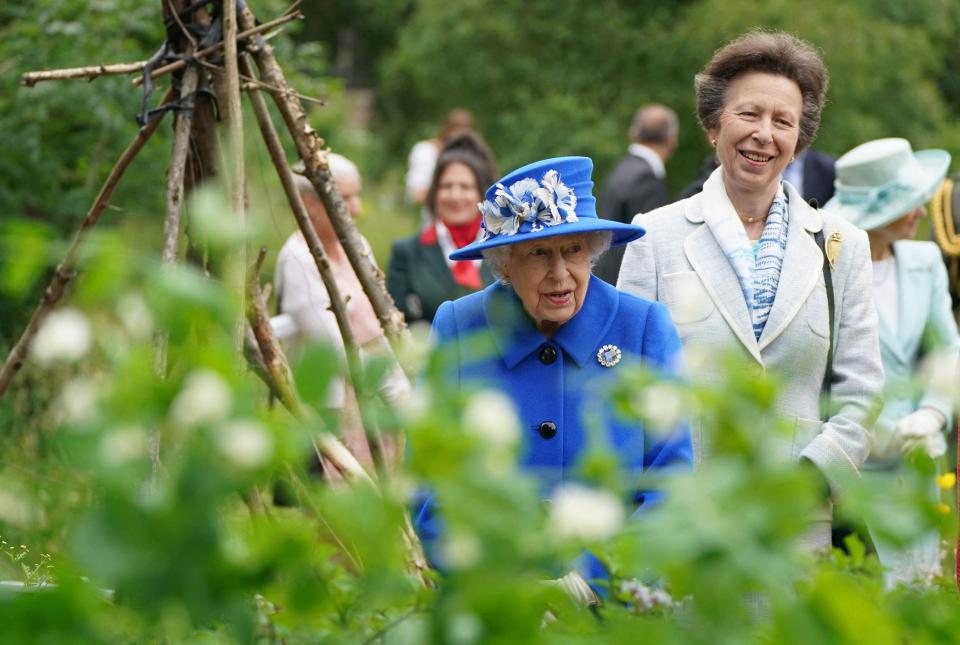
x=558 y=385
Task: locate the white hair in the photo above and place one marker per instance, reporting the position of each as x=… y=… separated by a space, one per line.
x=340 y=167
x=496 y=257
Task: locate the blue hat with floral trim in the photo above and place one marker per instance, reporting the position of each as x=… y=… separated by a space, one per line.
x=543 y=199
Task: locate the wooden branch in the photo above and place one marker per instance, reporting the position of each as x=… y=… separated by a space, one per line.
x=203 y=161
x=175 y=14
x=337 y=303
x=175 y=193
x=249 y=82
x=317 y=170
x=90 y=72
x=254 y=30
x=233 y=120
x=65 y=270
x=326 y=445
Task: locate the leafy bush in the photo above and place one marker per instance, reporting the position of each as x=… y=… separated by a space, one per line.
x=162 y=524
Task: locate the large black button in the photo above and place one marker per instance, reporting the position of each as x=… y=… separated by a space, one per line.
x=548 y=355
x=547 y=429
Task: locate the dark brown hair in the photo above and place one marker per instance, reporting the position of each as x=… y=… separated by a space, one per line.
x=774 y=52
x=469 y=148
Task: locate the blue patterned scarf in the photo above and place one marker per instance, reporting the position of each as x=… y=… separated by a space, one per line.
x=768 y=262
x=758 y=273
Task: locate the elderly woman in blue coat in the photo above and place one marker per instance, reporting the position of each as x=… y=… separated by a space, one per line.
x=882 y=186
x=550 y=322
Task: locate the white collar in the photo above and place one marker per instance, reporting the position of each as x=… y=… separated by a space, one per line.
x=447 y=245
x=647 y=154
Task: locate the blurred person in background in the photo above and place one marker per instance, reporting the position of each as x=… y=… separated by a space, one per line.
x=638 y=183
x=423 y=156
x=742 y=266
x=304 y=306
x=556 y=337
x=421 y=274
x=882 y=187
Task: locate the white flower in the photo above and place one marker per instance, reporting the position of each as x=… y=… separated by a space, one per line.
x=15 y=510
x=646 y=598
x=64 y=336
x=205 y=398
x=661 y=404
x=135 y=316
x=418 y=405
x=585 y=513
x=77 y=402
x=463 y=627
x=491 y=416
x=461 y=550
x=123 y=445
x=245 y=443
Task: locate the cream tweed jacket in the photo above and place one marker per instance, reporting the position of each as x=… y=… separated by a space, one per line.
x=679 y=263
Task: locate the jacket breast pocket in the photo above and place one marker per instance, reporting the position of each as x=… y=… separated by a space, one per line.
x=686 y=298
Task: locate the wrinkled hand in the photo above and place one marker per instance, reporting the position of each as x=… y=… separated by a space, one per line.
x=922 y=430
x=577 y=588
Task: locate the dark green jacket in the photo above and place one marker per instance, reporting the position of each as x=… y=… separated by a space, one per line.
x=420 y=281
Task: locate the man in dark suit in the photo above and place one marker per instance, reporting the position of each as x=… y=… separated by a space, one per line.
x=813 y=173
x=638 y=183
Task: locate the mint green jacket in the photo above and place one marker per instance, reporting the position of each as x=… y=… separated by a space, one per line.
x=925 y=325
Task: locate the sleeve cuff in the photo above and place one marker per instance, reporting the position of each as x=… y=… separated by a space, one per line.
x=835 y=464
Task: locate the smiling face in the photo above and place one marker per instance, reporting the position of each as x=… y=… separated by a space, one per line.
x=758 y=130
x=457 y=195
x=550 y=275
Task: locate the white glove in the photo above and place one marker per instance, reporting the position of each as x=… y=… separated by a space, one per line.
x=922 y=429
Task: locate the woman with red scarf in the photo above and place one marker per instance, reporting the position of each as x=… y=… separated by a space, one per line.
x=420 y=277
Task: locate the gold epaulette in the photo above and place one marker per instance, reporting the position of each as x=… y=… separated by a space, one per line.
x=942 y=220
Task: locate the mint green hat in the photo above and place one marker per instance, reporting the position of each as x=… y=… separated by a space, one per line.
x=880 y=181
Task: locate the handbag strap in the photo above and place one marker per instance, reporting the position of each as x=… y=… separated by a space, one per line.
x=828 y=373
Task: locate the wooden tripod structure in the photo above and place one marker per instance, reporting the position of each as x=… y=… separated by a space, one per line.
x=229 y=26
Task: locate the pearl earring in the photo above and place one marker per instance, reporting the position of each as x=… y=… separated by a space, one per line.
x=713 y=142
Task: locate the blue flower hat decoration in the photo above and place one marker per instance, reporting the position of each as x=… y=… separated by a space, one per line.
x=543 y=199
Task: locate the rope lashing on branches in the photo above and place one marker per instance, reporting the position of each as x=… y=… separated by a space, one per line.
x=207 y=35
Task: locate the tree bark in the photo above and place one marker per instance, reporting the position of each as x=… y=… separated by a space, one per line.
x=175 y=193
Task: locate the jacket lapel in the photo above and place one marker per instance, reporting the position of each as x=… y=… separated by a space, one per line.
x=802 y=267
x=708 y=260
x=912 y=306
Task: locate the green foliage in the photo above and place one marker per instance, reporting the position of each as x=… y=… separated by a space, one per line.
x=148 y=502
x=546 y=78
x=162 y=526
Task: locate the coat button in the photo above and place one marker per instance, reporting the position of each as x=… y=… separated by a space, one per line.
x=547 y=429
x=548 y=355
